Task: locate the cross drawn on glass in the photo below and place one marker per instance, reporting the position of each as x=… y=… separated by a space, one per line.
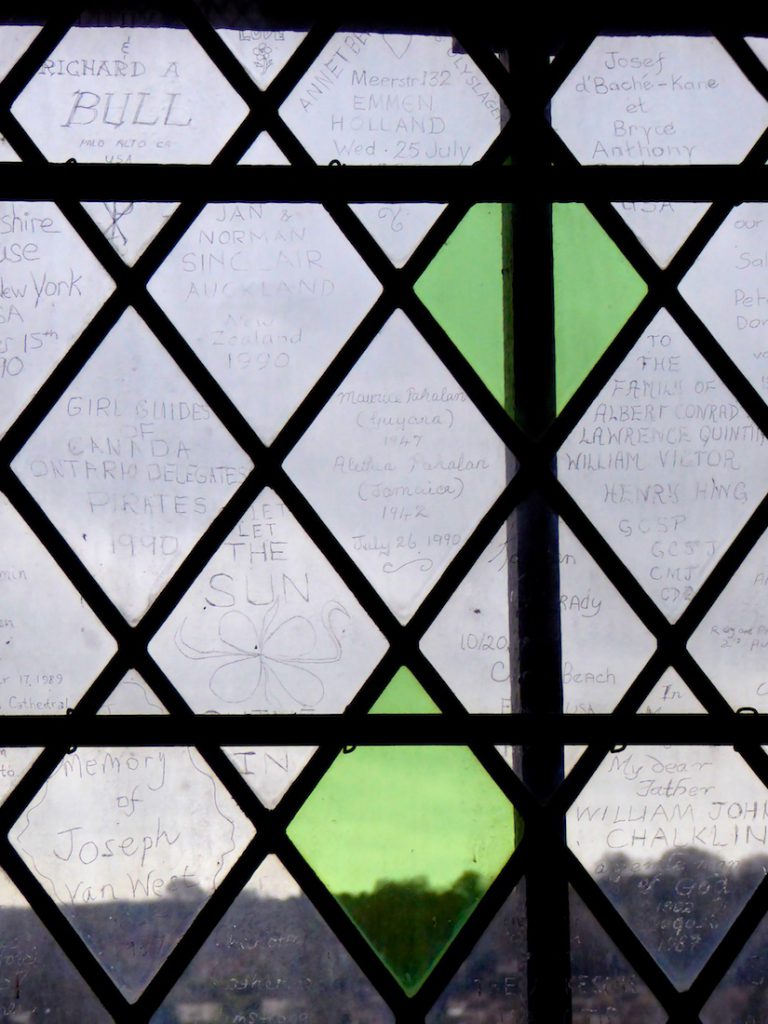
x=527 y=169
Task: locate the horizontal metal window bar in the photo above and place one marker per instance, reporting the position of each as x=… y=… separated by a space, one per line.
x=484 y=183
x=386 y=730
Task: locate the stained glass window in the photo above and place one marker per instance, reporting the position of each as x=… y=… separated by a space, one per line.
x=382 y=472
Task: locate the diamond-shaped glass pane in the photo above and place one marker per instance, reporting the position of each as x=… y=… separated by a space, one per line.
x=269 y=771
x=38 y=981
x=14 y=40
x=264 y=150
x=662 y=227
x=408 y=839
x=14 y=762
x=263 y=53
x=130 y=227
x=658 y=100
x=273 y=957
x=266 y=295
x=268 y=626
x=50 y=287
x=603 y=985
x=671 y=696
x=474 y=640
x=674 y=836
x=463 y=288
x=404 y=695
x=604 y=645
x=7 y=152
x=129 y=95
x=132 y=696
x=131 y=843
x=726 y=287
x=491 y=983
x=760 y=46
x=596 y=289
x=666 y=464
x=742 y=997
x=131 y=465
x=398 y=227
x=49 y=678
x=731 y=641
x=400 y=465
x=393 y=99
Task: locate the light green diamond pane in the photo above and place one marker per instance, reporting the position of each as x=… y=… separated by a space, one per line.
x=463 y=290
x=596 y=290
x=404 y=695
x=408 y=839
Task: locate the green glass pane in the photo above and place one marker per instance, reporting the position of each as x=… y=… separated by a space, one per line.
x=463 y=290
x=404 y=695
x=596 y=289
x=407 y=838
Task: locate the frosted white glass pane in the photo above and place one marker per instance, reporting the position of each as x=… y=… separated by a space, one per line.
x=14 y=762
x=131 y=844
x=266 y=295
x=268 y=626
x=670 y=696
x=130 y=227
x=400 y=465
x=666 y=464
x=393 y=99
x=273 y=959
x=269 y=771
x=138 y=95
x=731 y=641
x=604 y=645
x=50 y=287
x=36 y=599
x=398 y=227
x=473 y=642
x=14 y=40
x=726 y=287
x=760 y=46
x=676 y=837
x=662 y=227
x=132 y=696
x=262 y=53
x=8 y=154
x=131 y=465
x=658 y=100
x=264 y=150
